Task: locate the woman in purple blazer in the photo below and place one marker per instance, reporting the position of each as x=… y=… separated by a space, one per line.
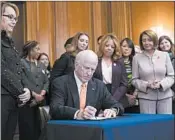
x=111 y=69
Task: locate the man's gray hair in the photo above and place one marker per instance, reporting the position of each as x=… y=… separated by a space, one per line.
x=85 y=55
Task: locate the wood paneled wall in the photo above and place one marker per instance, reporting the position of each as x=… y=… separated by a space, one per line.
x=121 y=19
x=41 y=25
x=52 y=23
x=150 y=14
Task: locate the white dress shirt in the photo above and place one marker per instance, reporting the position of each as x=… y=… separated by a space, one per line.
x=78 y=83
x=106 y=72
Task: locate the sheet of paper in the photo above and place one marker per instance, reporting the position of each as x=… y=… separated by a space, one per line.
x=101 y=118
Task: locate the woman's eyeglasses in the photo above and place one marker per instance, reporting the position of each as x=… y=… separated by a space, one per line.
x=11 y=17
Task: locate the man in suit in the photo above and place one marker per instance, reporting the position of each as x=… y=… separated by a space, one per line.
x=66 y=92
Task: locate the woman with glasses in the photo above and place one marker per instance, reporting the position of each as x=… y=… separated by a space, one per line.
x=14 y=92
x=153 y=76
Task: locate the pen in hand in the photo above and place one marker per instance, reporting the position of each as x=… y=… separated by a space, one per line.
x=89 y=112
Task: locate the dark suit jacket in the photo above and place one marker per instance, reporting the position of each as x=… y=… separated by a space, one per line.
x=173 y=62
x=119 y=78
x=65 y=98
x=62 y=66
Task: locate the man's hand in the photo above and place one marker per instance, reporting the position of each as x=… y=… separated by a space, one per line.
x=108 y=113
x=25 y=96
x=87 y=113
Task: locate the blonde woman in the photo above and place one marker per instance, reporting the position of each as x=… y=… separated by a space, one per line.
x=111 y=69
x=153 y=76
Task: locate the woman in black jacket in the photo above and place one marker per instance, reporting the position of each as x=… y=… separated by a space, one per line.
x=14 y=91
x=44 y=58
x=128 y=52
x=166 y=45
x=65 y=64
x=29 y=123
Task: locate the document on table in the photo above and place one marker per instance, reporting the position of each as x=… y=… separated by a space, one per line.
x=101 y=118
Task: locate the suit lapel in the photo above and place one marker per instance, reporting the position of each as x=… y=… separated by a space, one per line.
x=113 y=71
x=114 y=74
x=100 y=69
x=90 y=95
x=74 y=90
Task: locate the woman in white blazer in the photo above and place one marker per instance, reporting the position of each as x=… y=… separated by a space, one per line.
x=153 y=76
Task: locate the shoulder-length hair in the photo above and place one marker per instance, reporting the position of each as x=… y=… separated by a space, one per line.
x=75 y=39
x=152 y=35
x=117 y=51
x=41 y=54
x=130 y=45
x=28 y=47
x=166 y=38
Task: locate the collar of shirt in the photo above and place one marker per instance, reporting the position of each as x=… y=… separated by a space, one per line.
x=78 y=82
x=154 y=54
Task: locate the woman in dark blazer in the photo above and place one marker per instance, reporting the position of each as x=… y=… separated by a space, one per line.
x=65 y=64
x=166 y=45
x=111 y=69
x=29 y=122
x=128 y=52
x=44 y=58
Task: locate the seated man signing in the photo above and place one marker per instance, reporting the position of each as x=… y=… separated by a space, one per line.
x=79 y=96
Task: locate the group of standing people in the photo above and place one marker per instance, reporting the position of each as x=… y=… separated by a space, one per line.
x=137 y=80
x=25 y=81
x=142 y=82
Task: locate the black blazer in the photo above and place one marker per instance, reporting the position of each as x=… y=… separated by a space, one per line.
x=65 y=98
x=11 y=69
x=62 y=66
x=119 y=78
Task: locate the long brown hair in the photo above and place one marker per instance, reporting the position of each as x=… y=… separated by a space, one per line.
x=28 y=47
x=117 y=50
x=74 y=42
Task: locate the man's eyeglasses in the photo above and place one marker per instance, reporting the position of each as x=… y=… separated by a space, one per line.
x=11 y=17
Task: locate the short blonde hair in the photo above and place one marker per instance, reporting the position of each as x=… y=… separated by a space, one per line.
x=8 y=4
x=152 y=35
x=117 y=51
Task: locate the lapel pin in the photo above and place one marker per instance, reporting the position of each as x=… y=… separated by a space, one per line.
x=114 y=64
